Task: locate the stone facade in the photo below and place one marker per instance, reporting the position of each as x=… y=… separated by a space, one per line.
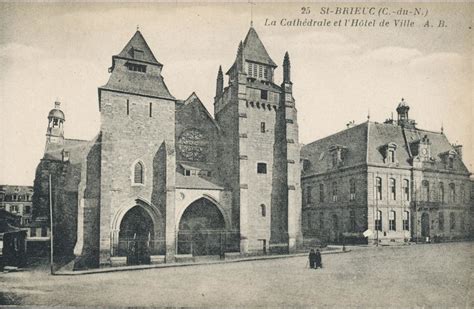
x=17 y=200
x=392 y=180
x=163 y=178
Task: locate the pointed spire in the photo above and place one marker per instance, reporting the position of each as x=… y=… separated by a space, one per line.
x=442 y=128
x=254 y=50
x=240 y=57
x=286 y=69
x=138 y=49
x=368 y=114
x=219 y=83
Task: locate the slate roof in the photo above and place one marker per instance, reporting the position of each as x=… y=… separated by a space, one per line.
x=78 y=151
x=365 y=142
x=148 y=83
x=138 y=42
x=253 y=49
x=193 y=100
x=196 y=182
x=138 y=83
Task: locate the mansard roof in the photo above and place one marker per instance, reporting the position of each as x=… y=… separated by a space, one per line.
x=366 y=142
x=254 y=50
x=138 y=45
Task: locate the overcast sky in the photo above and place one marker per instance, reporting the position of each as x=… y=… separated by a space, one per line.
x=50 y=51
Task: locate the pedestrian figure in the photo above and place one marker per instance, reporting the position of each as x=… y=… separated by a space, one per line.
x=318 y=260
x=312 y=258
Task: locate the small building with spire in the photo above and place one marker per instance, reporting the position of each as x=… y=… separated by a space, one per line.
x=385 y=183
x=164 y=180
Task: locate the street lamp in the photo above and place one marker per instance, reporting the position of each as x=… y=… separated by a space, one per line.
x=51 y=225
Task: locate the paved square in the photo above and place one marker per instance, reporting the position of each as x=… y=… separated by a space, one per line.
x=416 y=275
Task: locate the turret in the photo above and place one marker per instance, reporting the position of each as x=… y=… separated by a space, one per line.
x=219 y=83
x=402 y=111
x=286 y=69
x=56 y=119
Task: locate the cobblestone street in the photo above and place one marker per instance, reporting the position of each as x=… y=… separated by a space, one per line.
x=417 y=275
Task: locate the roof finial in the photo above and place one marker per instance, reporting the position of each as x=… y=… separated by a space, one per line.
x=442 y=128
x=138 y=27
x=368 y=114
x=251 y=13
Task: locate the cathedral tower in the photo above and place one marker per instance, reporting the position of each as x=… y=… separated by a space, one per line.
x=137 y=150
x=251 y=111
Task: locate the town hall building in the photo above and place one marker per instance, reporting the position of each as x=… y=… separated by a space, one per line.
x=385 y=183
x=164 y=179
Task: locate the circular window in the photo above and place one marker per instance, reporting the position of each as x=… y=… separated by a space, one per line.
x=193 y=145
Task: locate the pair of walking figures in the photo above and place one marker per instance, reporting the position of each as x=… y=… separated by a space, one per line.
x=315 y=259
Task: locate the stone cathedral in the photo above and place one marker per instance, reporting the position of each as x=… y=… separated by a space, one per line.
x=163 y=179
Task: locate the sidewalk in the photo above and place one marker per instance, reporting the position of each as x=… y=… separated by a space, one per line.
x=334 y=250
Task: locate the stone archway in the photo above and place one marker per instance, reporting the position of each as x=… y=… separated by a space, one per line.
x=140 y=226
x=202 y=229
x=136 y=236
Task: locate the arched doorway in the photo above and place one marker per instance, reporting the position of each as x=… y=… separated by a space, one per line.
x=136 y=235
x=201 y=229
x=425 y=225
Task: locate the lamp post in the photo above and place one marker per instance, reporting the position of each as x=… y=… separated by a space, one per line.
x=51 y=226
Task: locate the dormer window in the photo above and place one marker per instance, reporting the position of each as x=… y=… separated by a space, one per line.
x=391 y=156
x=451 y=162
x=65 y=156
x=390 y=151
x=137 y=53
x=448 y=158
x=337 y=155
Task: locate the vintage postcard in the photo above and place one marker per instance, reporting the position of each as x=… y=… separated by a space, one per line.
x=303 y=154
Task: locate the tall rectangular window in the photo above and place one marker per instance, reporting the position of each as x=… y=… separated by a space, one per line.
x=128 y=107
x=441 y=192
x=260 y=71
x=425 y=190
x=309 y=197
x=265 y=73
x=334 y=191
x=441 y=221
x=452 y=221
x=378 y=220
x=392 y=221
x=250 y=69
x=452 y=192
x=406 y=189
x=352 y=189
x=262 y=127
x=264 y=94
x=378 y=188
x=393 y=189
x=352 y=218
x=150 y=109
x=406 y=220
x=321 y=192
